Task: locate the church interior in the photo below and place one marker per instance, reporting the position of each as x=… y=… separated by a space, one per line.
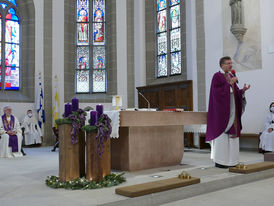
x=148 y=65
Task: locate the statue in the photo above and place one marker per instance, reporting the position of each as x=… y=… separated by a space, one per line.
x=236 y=11
x=237 y=27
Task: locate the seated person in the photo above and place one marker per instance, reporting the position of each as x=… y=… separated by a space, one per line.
x=32 y=130
x=267 y=137
x=11 y=135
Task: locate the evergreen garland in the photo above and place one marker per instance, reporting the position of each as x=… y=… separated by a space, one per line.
x=84 y=184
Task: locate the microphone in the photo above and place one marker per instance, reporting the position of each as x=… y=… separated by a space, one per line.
x=233 y=72
x=148 y=104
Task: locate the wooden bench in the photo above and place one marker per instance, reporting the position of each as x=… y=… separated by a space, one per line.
x=252 y=136
x=204 y=145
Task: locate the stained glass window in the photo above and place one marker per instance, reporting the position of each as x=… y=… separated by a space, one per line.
x=13 y=2
x=168 y=37
x=3 y=5
x=10 y=62
x=91 y=46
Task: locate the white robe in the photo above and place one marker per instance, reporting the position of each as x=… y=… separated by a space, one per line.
x=224 y=149
x=266 y=138
x=5 y=150
x=32 y=135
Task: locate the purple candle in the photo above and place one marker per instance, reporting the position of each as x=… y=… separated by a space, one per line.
x=93 y=118
x=99 y=109
x=68 y=109
x=75 y=104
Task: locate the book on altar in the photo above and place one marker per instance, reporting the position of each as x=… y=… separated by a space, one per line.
x=174 y=110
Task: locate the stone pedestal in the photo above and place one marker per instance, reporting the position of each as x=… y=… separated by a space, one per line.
x=96 y=167
x=151 y=139
x=139 y=148
x=238 y=31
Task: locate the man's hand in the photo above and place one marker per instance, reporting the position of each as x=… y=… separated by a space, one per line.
x=270 y=130
x=233 y=80
x=246 y=87
x=11 y=133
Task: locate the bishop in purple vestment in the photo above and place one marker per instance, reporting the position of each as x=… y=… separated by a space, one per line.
x=224 y=114
x=11 y=135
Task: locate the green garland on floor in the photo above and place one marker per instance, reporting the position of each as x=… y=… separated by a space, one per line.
x=84 y=184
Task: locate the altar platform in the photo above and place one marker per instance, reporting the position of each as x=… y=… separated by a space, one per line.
x=22 y=180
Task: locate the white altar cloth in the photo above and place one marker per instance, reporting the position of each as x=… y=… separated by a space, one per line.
x=115 y=122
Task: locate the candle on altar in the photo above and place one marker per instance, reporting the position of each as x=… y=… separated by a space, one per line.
x=93 y=118
x=75 y=104
x=68 y=109
x=99 y=109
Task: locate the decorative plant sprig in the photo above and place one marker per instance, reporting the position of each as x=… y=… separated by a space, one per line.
x=84 y=184
x=63 y=121
x=78 y=121
x=103 y=133
x=89 y=128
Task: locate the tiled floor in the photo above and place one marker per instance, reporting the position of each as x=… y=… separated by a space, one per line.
x=22 y=179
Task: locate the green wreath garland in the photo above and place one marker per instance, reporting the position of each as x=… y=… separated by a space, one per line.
x=84 y=184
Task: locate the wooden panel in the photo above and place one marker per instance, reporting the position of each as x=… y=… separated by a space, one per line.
x=105 y=160
x=92 y=159
x=97 y=167
x=253 y=168
x=120 y=150
x=81 y=140
x=203 y=144
x=168 y=95
x=154 y=147
x=153 y=98
x=155 y=186
x=140 y=148
x=69 y=168
x=161 y=118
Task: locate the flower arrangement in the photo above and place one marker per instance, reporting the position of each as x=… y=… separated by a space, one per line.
x=103 y=129
x=77 y=120
x=84 y=184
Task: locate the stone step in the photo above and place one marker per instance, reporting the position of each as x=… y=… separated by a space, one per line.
x=207 y=185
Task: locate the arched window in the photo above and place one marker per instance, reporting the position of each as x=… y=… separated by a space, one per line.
x=9 y=45
x=168 y=38
x=90 y=73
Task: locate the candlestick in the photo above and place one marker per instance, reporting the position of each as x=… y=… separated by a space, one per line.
x=117 y=99
x=99 y=109
x=75 y=104
x=68 y=109
x=93 y=118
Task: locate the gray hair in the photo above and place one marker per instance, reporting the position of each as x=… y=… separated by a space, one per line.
x=6 y=107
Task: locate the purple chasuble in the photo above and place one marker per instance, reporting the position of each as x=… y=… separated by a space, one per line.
x=219 y=108
x=13 y=140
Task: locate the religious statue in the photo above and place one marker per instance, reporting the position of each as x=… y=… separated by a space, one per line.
x=236 y=11
x=237 y=27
